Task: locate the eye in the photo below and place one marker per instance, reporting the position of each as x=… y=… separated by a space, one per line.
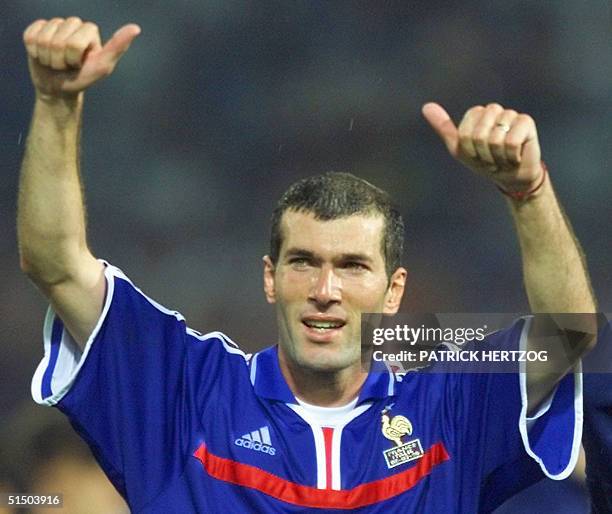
x=355 y=266
x=299 y=262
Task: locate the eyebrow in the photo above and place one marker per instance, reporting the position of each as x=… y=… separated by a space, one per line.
x=301 y=252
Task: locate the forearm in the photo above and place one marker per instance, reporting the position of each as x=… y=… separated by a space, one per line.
x=557 y=281
x=554 y=269
x=51 y=216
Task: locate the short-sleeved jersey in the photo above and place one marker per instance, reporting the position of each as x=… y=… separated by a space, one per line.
x=183 y=422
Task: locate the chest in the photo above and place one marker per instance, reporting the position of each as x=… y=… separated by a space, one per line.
x=372 y=456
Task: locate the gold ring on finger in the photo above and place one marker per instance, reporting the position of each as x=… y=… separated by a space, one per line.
x=503 y=126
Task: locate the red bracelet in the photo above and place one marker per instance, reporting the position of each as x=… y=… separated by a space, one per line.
x=523 y=195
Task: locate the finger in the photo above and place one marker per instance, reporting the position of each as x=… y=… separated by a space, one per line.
x=117 y=45
x=482 y=132
x=466 y=129
x=523 y=131
x=58 y=42
x=441 y=122
x=43 y=40
x=85 y=38
x=497 y=137
x=29 y=37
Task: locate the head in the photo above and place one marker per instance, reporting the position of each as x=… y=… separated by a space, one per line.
x=335 y=250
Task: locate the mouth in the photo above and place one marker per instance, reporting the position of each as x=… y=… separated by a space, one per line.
x=322 y=329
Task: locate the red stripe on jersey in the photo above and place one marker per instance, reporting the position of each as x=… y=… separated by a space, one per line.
x=328 y=434
x=284 y=490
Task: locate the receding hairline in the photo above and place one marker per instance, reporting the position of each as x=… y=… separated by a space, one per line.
x=371 y=213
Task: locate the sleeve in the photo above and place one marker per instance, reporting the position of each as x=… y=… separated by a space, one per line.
x=515 y=451
x=135 y=391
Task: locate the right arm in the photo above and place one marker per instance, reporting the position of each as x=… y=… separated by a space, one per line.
x=65 y=57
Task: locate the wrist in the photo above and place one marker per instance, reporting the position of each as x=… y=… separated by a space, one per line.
x=63 y=101
x=62 y=108
x=523 y=193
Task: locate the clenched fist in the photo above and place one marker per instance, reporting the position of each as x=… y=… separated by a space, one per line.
x=66 y=56
x=498 y=143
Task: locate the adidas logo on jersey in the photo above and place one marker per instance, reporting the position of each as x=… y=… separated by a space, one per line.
x=258 y=440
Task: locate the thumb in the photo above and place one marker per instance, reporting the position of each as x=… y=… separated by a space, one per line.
x=117 y=45
x=441 y=122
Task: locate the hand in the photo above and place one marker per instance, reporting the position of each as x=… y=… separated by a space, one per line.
x=66 y=56
x=498 y=143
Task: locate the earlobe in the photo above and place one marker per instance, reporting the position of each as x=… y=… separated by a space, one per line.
x=268 y=279
x=395 y=293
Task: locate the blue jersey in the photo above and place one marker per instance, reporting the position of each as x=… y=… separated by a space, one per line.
x=183 y=422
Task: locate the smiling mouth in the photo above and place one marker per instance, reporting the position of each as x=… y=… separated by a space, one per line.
x=323 y=326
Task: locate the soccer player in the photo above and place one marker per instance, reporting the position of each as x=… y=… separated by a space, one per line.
x=185 y=422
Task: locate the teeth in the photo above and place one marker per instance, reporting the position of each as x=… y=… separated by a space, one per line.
x=323 y=325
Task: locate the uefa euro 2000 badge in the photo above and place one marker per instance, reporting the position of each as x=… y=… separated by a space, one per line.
x=394 y=429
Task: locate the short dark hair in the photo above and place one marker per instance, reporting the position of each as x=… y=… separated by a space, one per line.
x=336 y=195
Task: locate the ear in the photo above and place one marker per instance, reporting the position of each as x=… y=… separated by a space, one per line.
x=268 y=279
x=395 y=293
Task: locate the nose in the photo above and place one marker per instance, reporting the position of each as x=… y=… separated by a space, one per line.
x=326 y=287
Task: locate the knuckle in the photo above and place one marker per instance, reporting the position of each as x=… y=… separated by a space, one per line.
x=494 y=107
x=89 y=25
x=75 y=46
x=475 y=110
x=36 y=22
x=43 y=40
x=56 y=46
x=479 y=138
x=511 y=112
x=525 y=118
x=496 y=143
x=73 y=19
x=512 y=144
x=29 y=30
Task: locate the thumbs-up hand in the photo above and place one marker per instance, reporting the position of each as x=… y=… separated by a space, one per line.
x=66 y=56
x=498 y=143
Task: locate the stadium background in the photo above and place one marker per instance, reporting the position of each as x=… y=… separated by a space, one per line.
x=221 y=104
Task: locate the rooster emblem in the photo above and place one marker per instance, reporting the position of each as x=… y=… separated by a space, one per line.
x=395 y=428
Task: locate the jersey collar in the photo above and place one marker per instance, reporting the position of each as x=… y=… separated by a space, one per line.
x=268 y=380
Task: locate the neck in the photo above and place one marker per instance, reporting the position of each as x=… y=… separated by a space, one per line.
x=323 y=388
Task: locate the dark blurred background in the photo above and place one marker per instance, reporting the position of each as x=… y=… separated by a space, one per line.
x=221 y=104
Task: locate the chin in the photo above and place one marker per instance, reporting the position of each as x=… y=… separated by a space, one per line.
x=328 y=360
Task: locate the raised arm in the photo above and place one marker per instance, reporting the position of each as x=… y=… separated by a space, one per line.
x=65 y=57
x=503 y=146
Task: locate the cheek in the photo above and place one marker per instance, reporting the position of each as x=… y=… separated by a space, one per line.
x=366 y=296
x=292 y=286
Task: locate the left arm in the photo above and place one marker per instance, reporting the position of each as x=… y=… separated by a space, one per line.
x=556 y=281
x=503 y=145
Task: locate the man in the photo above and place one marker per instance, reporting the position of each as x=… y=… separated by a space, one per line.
x=182 y=422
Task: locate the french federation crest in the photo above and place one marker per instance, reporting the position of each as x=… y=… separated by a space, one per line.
x=394 y=429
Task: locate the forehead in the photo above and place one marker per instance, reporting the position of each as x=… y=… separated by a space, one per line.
x=357 y=234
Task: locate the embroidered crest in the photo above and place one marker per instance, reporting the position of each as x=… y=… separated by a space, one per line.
x=394 y=429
